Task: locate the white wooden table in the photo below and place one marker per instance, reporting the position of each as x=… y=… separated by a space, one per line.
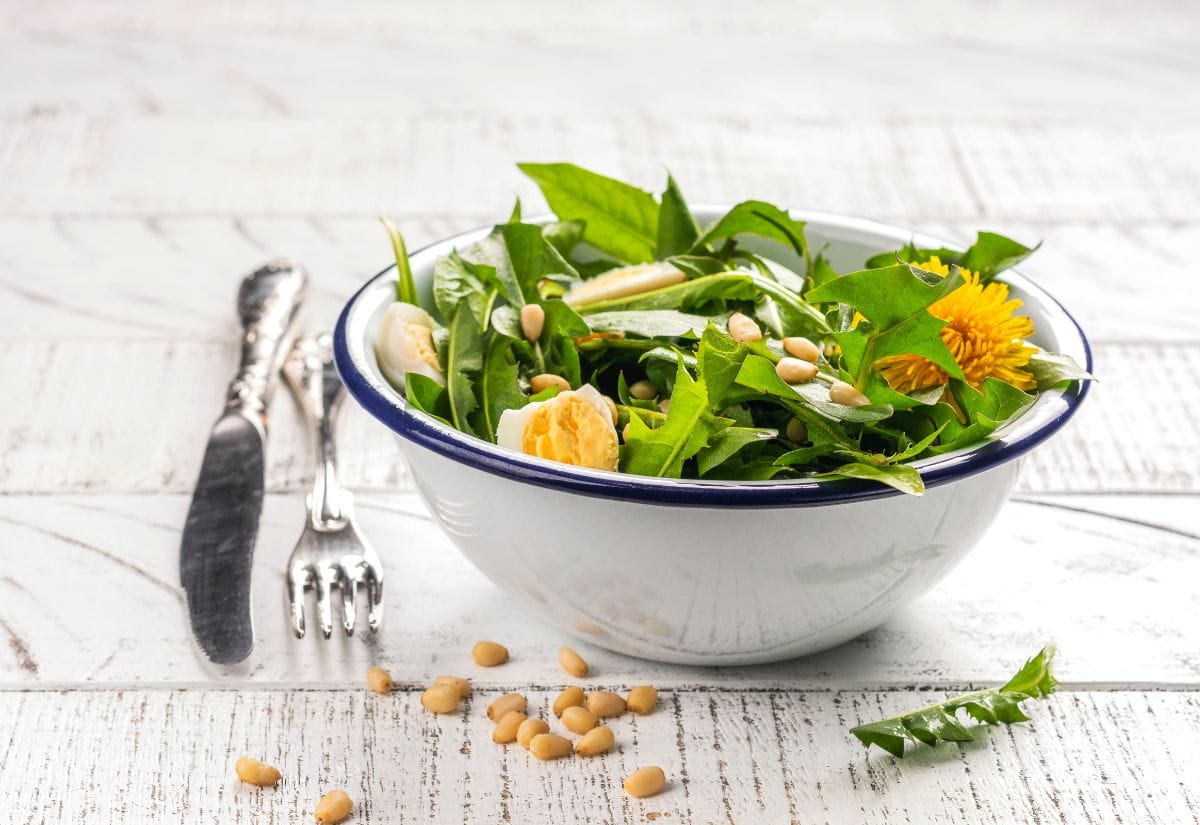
x=152 y=153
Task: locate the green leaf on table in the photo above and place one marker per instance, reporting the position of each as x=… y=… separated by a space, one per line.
x=677 y=229
x=1051 y=369
x=757 y=218
x=940 y=723
x=900 y=476
x=499 y=387
x=406 y=290
x=655 y=323
x=687 y=429
x=620 y=220
x=464 y=358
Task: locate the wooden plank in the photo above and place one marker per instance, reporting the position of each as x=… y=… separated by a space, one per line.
x=1160 y=22
x=145 y=756
x=1121 y=282
x=181 y=74
x=436 y=163
x=151 y=403
x=89 y=594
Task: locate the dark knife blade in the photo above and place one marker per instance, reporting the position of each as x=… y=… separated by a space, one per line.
x=218 y=539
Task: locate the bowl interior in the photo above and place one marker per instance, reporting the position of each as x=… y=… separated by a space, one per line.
x=846 y=243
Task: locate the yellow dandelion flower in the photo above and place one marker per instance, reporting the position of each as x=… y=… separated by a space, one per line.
x=981 y=332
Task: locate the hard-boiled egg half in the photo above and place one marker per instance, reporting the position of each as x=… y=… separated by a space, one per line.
x=573 y=427
x=405 y=344
x=623 y=282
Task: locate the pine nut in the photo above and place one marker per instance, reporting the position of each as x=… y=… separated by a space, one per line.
x=507 y=727
x=802 y=348
x=596 y=740
x=643 y=390
x=795 y=370
x=489 y=654
x=440 y=698
x=612 y=410
x=625 y=434
x=461 y=686
x=569 y=698
x=742 y=328
x=547 y=746
x=642 y=700
x=664 y=406
x=797 y=431
x=578 y=720
x=572 y=663
x=645 y=781
x=380 y=680
x=530 y=728
x=843 y=393
x=604 y=703
x=333 y=807
x=505 y=703
x=256 y=773
x=533 y=319
x=546 y=380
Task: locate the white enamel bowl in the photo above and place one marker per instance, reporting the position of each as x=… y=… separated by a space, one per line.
x=715 y=573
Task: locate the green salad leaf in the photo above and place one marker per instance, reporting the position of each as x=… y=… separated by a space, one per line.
x=406 y=289
x=688 y=428
x=940 y=723
x=464 y=358
x=677 y=229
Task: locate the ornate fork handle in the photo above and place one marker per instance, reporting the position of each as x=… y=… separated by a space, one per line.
x=311 y=372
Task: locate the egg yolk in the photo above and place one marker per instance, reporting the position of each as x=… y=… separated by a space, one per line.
x=422 y=340
x=569 y=430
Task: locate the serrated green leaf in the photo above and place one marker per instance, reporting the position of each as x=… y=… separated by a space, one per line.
x=939 y=723
x=757 y=218
x=902 y=477
x=620 y=220
x=758 y=374
x=427 y=395
x=719 y=359
x=499 y=387
x=687 y=429
x=677 y=229
x=727 y=443
x=1050 y=369
x=464 y=358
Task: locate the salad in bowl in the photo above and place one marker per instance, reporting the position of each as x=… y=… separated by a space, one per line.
x=712 y=434
x=623 y=336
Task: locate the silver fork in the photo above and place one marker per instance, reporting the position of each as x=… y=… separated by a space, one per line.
x=331 y=553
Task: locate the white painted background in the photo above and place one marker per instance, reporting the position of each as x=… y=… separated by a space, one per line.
x=150 y=153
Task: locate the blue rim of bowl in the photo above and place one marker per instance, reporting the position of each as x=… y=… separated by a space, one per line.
x=482 y=455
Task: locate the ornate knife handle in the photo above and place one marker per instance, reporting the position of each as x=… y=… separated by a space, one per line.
x=269 y=302
x=314 y=380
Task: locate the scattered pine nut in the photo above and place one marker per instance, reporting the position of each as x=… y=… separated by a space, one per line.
x=530 y=728
x=380 y=680
x=570 y=697
x=572 y=662
x=645 y=781
x=604 y=703
x=578 y=720
x=656 y=626
x=489 y=654
x=796 y=431
x=256 y=773
x=795 y=370
x=546 y=380
x=462 y=686
x=643 y=390
x=440 y=698
x=642 y=700
x=612 y=409
x=843 y=393
x=802 y=348
x=596 y=740
x=743 y=328
x=505 y=703
x=547 y=746
x=533 y=319
x=335 y=806
x=507 y=727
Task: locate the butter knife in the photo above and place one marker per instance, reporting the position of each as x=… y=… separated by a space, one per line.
x=218 y=538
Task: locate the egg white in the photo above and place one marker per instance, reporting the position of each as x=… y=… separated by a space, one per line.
x=397 y=351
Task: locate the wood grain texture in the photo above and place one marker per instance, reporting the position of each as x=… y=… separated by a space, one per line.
x=1118 y=442
x=89 y=595
x=730 y=756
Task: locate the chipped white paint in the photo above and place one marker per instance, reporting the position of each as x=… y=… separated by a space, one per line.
x=151 y=153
